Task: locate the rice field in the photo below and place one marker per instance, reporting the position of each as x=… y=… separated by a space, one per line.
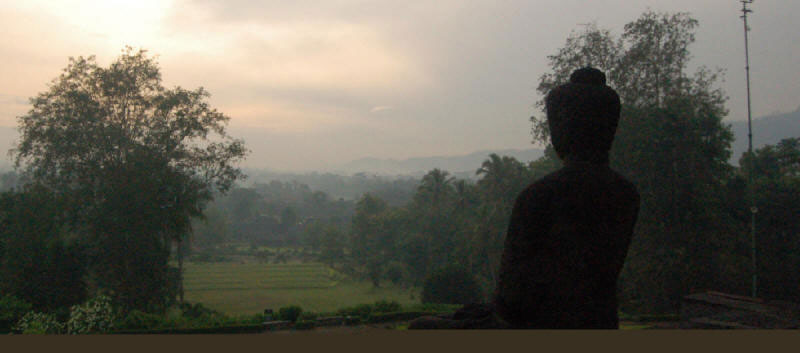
x=249 y=288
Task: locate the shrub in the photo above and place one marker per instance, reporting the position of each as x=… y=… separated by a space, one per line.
x=208 y=256
x=395 y=316
x=39 y=323
x=190 y=316
x=395 y=272
x=94 y=316
x=435 y=308
x=307 y=316
x=361 y=310
x=305 y=325
x=354 y=320
x=11 y=310
x=290 y=313
x=383 y=306
x=451 y=285
x=253 y=319
x=196 y=310
x=263 y=256
x=138 y=320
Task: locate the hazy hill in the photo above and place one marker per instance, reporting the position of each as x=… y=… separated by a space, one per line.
x=393 y=180
x=456 y=165
x=7 y=136
x=767 y=130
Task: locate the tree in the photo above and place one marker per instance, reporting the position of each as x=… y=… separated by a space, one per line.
x=135 y=162
x=776 y=187
x=244 y=204
x=546 y=164
x=502 y=179
x=369 y=235
x=451 y=285
x=434 y=190
x=9 y=181
x=670 y=142
x=211 y=230
x=432 y=208
x=332 y=244
x=592 y=47
x=40 y=260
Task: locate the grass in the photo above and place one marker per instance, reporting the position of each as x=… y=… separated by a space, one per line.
x=249 y=288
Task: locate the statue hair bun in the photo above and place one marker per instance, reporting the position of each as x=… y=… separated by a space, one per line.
x=588 y=76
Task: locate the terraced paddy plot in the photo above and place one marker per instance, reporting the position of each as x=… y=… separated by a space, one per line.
x=249 y=288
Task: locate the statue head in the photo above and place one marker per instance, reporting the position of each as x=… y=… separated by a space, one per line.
x=583 y=116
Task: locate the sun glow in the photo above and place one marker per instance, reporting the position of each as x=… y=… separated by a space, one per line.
x=112 y=20
x=279 y=75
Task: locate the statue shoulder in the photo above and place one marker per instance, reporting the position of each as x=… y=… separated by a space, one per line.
x=627 y=187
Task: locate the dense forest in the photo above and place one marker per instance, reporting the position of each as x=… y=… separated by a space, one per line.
x=119 y=182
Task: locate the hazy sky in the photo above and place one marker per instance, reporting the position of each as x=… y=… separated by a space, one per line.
x=314 y=82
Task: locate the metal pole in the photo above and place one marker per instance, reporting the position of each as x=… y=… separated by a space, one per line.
x=753 y=208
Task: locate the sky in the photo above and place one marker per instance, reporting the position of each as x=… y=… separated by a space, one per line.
x=310 y=84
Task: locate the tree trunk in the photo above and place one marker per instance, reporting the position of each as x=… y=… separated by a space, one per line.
x=180 y=270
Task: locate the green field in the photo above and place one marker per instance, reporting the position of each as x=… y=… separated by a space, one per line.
x=249 y=288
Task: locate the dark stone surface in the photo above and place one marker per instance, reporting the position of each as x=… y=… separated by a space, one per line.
x=726 y=311
x=471 y=316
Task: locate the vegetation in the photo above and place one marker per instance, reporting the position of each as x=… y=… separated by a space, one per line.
x=121 y=179
x=128 y=163
x=692 y=233
x=290 y=313
x=451 y=285
x=11 y=310
x=247 y=289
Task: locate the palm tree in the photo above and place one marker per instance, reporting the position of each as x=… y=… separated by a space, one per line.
x=435 y=189
x=502 y=179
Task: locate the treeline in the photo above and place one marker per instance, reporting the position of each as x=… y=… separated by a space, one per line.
x=278 y=213
x=449 y=222
x=693 y=232
x=396 y=190
x=455 y=223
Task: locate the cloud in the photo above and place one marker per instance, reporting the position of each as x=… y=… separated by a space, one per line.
x=381 y=108
x=12 y=99
x=11 y=106
x=292 y=67
x=315 y=74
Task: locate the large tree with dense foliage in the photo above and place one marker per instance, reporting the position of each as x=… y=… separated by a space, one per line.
x=502 y=179
x=432 y=210
x=134 y=161
x=40 y=260
x=776 y=187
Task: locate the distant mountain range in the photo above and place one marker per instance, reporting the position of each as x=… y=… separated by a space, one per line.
x=456 y=165
x=767 y=130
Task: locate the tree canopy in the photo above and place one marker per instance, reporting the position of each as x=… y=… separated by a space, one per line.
x=134 y=162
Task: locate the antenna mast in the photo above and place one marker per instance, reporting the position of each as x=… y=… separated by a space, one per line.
x=753 y=208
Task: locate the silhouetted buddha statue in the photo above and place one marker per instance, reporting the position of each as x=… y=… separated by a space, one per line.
x=569 y=231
